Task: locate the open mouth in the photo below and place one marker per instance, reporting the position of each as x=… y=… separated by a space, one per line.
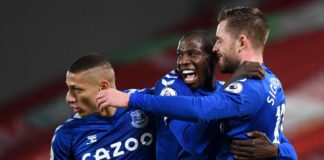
x=189 y=76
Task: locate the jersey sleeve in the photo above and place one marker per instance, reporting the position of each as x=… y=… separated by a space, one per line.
x=239 y=99
x=60 y=147
x=286 y=150
x=191 y=136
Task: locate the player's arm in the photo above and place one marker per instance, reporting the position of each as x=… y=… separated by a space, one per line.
x=225 y=104
x=260 y=147
x=60 y=147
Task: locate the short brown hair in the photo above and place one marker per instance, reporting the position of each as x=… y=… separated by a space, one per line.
x=250 y=21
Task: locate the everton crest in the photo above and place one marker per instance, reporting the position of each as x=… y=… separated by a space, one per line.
x=139 y=119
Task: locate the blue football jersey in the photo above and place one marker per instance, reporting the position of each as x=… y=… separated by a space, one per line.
x=244 y=106
x=181 y=139
x=129 y=134
x=166 y=143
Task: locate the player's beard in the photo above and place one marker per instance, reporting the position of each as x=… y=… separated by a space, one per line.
x=230 y=63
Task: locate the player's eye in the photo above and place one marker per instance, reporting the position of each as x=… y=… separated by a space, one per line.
x=76 y=90
x=194 y=53
x=179 y=54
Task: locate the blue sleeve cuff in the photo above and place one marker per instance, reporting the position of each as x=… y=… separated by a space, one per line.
x=286 y=151
x=281 y=152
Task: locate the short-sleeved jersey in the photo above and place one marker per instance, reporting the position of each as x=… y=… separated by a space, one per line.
x=244 y=106
x=129 y=134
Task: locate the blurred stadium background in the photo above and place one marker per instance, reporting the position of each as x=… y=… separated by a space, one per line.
x=39 y=39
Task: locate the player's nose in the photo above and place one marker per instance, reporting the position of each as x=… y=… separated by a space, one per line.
x=70 y=98
x=215 y=49
x=184 y=60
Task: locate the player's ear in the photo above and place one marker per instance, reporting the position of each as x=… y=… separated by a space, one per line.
x=243 y=42
x=104 y=84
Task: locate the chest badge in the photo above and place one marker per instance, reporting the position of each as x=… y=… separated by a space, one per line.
x=139 y=119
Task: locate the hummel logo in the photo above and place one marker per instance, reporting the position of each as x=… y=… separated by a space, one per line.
x=92 y=139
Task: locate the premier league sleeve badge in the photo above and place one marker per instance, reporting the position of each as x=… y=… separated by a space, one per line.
x=167 y=91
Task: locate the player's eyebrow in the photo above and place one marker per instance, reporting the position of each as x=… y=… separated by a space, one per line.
x=73 y=86
x=196 y=49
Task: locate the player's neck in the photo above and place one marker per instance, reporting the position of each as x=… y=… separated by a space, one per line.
x=253 y=57
x=209 y=84
x=107 y=112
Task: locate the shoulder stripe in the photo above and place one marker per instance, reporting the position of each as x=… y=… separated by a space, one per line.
x=167 y=83
x=169 y=76
x=173 y=72
x=242 y=80
x=60 y=126
x=132 y=90
x=221 y=82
